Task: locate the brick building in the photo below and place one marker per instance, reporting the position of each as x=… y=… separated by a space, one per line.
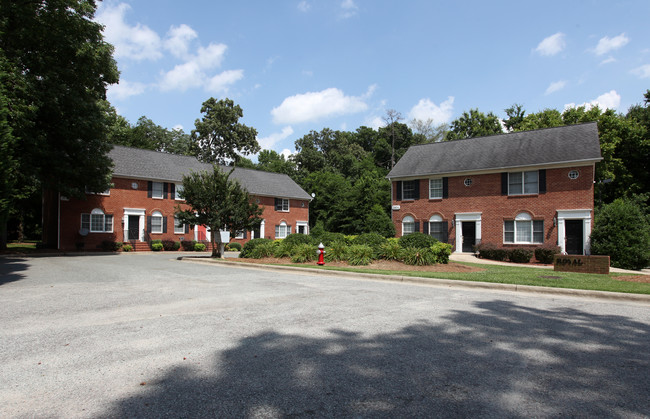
x=519 y=189
x=140 y=205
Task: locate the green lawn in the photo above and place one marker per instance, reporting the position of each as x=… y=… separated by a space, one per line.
x=521 y=276
x=21 y=247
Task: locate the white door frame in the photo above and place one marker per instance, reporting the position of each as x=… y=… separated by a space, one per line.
x=466 y=216
x=125 y=221
x=579 y=214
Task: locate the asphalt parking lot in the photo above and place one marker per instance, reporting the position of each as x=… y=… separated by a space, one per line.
x=144 y=335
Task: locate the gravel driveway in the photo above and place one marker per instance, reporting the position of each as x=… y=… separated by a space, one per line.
x=143 y=335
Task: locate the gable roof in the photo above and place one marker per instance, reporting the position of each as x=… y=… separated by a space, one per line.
x=567 y=144
x=137 y=163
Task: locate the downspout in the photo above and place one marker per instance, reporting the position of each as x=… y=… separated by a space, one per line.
x=58 y=228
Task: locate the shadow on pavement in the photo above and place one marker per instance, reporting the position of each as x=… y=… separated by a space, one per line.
x=507 y=360
x=11 y=269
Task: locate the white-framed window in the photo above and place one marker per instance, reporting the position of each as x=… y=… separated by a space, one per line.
x=438 y=228
x=409 y=189
x=523 y=183
x=97 y=222
x=282 y=204
x=574 y=174
x=435 y=188
x=178 y=191
x=157 y=190
x=523 y=230
x=107 y=192
x=282 y=230
x=179 y=228
x=408 y=225
x=156 y=222
x=468 y=182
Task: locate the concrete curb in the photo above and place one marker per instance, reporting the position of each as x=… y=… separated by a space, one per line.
x=448 y=283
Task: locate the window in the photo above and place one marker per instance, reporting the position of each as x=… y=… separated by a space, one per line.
x=240 y=235
x=435 y=188
x=282 y=204
x=107 y=192
x=523 y=230
x=523 y=183
x=179 y=191
x=438 y=228
x=156 y=222
x=573 y=174
x=408 y=225
x=97 y=222
x=179 y=228
x=282 y=230
x=409 y=189
x=157 y=190
x=468 y=181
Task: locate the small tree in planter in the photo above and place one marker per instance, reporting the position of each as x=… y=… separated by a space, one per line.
x=217 y=201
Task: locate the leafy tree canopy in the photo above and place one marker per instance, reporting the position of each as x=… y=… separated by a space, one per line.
x=474 y=124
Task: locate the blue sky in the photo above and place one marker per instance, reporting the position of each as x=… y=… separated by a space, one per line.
x=296 y=66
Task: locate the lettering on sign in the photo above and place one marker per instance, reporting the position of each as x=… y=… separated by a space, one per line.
x=569 y=262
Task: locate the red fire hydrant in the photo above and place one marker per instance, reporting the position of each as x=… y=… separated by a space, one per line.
x=321 y=254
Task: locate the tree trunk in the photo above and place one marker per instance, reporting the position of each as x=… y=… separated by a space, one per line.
x=50 y=218
x=217 y=246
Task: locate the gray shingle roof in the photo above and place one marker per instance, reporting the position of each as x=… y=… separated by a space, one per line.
x=153 y=165
x=568 y=144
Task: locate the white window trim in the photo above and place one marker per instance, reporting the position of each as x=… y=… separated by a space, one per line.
x=105 y=218
x=302 y=224
x=430 y=189
x=176 y=197
x=282 y=231
x=435 y=219
x=283 y=202
x=519 y=219
x=408 y=220
x=153 y=190
x=177 y=229
x=157 y=214
x=239 y=235
x=523 y=183
x=107 y=192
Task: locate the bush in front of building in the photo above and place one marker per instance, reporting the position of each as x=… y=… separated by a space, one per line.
x=545 y=254
x=199 y=247
x=520 y=255
x=156 y=247
x=337 y=252
x=418 y=256
x=234 y=246
x=359 y=254
x=374 y=240
x=171 y=245
x=491 y=251
x=188 y=245
x=442 y=251
x=250 y=245
x=390 y=250
x=622 y=231
x=303 y=252
x=264 y=250
x=127 y=248
x=111 y=246
x=417 y=240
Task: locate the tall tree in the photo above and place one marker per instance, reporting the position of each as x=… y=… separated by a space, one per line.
x=516 y=114
x=391 y=118
x=64 y=65
x=219 y=137
x=474 y=124
x=431 y=132
x=218 y=202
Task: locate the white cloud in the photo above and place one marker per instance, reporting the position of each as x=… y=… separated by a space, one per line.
x=267 y=143
x=137 y=42
x=425 y=110
x=304 y=6
x=375 y=122
x=551 y=45
x=609 y=100
x=286 y=153
x=349 y=9
x=177 y=127
x=607 y=44
x=555 y=86
x=222 y=81
x=642 y=72
x=182 y=77
x=178 y=40
x=608 y=60
x=125 y=89
x=312 y=106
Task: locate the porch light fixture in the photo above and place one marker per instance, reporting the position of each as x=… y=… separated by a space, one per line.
x=554 y=221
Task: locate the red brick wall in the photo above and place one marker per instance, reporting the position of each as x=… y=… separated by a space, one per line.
x=484 y=196
x=122 y=195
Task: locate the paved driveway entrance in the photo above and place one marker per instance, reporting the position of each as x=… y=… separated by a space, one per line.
x=138 y=335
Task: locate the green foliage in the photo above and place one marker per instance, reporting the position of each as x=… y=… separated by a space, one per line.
x=170 y=245
x=147 y=135
x=417 y=240
x=263 y=250
x=622 y=231
x=199 y=247
x=378 y=221
x=250 y=245
x=373 y=240
x=234 y=246
x=283 y=249
x=188 y=245
x=156 y=247
x=156 y=242
x=303 y=252
x=359 y=255
x=328 y=238
x=423 y=256
x=390 y=250
x=296 y=238
x=336 y=252
x=491 y=251
x=544 y=254
x=219 y=136
x=217 y=201
x=111 y=246
x=474 y=124
x=520 y=255
x=441 y=251
x=127 y=248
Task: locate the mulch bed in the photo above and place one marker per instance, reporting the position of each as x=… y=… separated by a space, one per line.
x=633 y=278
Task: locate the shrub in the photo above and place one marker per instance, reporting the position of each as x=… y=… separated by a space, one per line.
x=520 y=255
x=297 y=238
x=111 y=246
x=127 y=248
x=328 y=238
x=349 y=239
x=156 y=247
x=188 y=245
x=373 y=240
x=156 y=242
x=283 y=249
x=359 y=255
x=417 y=240
x=441 y=251
x=491 y=251
x=234 y=247
x=303 y=252
x=390 y=250
x=545 y=254
x=338 y=251
x=199 y=247
x=251 y=245
x=262 y=250
x=170 y=245
x=622 y=231
x=422 y=256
